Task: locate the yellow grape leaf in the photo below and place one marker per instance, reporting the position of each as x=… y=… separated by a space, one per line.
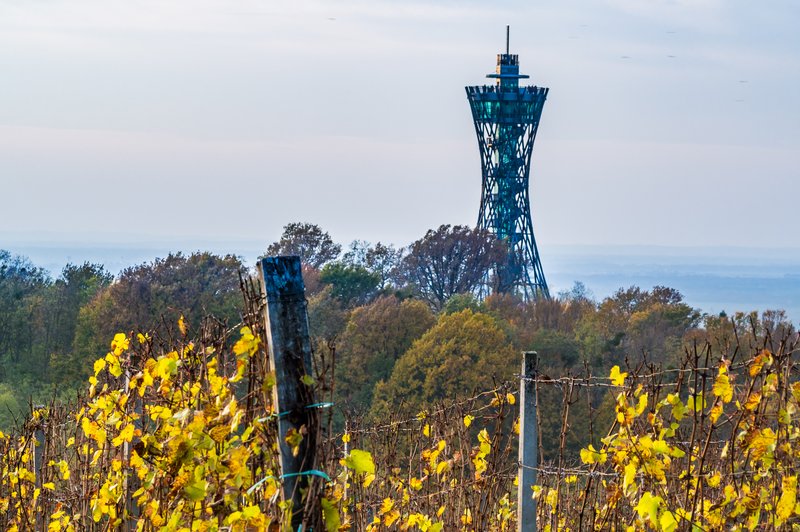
x=196 y=490
x=293 y=438
x=730 y=493
x=510 y=398
x=660 y=446
x=591 y=456
x=678 y=408
x=426 y=430
x=120 y=343
x=552 y=498
x=219 y=433
x=125 y=435
x=115 y=368
x=391 y=517
x=722 y=386
x=468 y=420
x=617 y=378
x=182 y=325
x=763 y=444
x=697 y=404
x=251 y=512
x=715 y=412
x=765 y=357
x=247 y=344
x=668 y=522
x=415 y=520
x=360 y=461
x=386 y=506
x=648 y=507
x=330 y=514
x=642 y=404
x=630 y=475
x=63 y=468
x=678 y=453
x=788 y=498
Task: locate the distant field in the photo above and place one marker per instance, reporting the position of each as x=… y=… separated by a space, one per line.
x=712 y=279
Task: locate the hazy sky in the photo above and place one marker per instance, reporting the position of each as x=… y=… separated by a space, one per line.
x=668 y=122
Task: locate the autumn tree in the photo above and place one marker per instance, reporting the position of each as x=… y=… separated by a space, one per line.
x=463 y=353
x=352 y=285
x=327 y=317
x=637 y=322
x=308 y=241
x=75 y=288
x=154 y=295
x=380 y=259
x=459 y=302
x=37 y=326
x=451 y=260
x=22 y=284
x=749 y=329
x=376 y=336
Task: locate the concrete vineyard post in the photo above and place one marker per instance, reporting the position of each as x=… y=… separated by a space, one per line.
x=528 y=444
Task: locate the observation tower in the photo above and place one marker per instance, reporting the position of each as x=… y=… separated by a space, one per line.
x=506 y=118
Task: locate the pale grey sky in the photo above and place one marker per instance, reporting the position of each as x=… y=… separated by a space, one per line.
x=672 y=123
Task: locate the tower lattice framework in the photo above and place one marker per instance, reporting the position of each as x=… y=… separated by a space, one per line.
x=506 y=117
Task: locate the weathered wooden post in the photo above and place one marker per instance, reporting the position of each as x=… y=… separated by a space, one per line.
x=528 y=444
x=289 y=350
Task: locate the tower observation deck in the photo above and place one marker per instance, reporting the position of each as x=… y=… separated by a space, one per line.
x=506 y=118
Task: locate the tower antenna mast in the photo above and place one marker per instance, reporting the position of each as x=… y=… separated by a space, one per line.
x=508 y=32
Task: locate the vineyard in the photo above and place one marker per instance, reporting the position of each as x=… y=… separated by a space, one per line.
x=178 y=431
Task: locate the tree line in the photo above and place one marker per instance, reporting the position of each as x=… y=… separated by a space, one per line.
x=405 y=326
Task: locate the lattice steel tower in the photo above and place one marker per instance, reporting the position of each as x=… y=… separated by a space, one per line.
x=506 y=118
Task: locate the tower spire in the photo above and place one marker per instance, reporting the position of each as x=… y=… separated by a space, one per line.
x=508 y=31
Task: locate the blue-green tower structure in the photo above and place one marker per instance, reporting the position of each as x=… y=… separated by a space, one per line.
x=506 y=118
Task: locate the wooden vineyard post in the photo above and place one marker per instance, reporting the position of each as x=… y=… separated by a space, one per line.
x=289 y=349
x=528 y=444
